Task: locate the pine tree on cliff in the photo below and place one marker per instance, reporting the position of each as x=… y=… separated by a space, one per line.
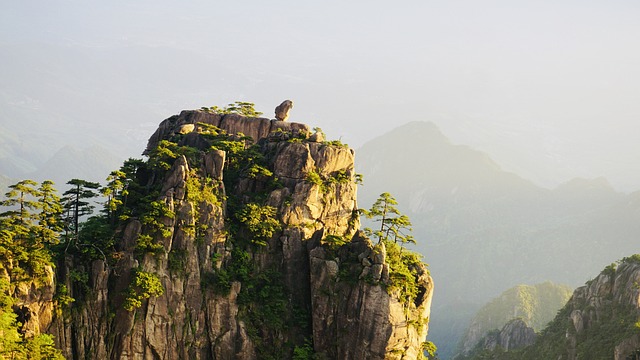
x=27 y=228
x=394 y=226
x=77 y=204
x=23 y=196
x=49 y=218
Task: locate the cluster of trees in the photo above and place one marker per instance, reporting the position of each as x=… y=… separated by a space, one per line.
x=38 y=221
x=38 y=227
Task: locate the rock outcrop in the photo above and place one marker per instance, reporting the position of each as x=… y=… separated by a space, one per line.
x=234 y=257
x=514 y=335
x=392 y=330
x=282 y=110
x=600 y=321
x=608 y=307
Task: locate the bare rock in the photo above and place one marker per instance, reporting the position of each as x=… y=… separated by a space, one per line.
x=317 y=137
x=379 y=253
x=214 y=163
x=515 y=335
x=186 y=128
x=366 y=310
x=176 y=178
x=282 y=110
x=376 y=272
x=256 y=128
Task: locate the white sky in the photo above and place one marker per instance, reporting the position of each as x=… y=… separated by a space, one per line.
x=550 y=89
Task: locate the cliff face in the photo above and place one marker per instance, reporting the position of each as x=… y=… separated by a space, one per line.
x=607 y=307
x=514 y=335
x=600 y=321
x=243 y=252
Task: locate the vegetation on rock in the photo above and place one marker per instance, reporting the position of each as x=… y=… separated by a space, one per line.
x=596 y=319
x=207 y=198
x=239 y=107
x=536 y=305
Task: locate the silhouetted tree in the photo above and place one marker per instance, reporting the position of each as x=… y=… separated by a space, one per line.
x=77 y=203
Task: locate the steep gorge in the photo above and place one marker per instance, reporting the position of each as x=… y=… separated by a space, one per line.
x=238 y=238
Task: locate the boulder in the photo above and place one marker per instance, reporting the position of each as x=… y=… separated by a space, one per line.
x=282 y=110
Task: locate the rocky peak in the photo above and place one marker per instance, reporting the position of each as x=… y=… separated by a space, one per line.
x=514 y=335
x=611 y=295
x=248 y=248
x=600 y=321
x=256 y=128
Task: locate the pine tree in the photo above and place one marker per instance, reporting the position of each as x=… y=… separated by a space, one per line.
x=77 y=203
x=22 y=195
x=394 y=226
x=49 y=218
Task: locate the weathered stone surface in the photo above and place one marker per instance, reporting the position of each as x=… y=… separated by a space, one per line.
x=256 y=128
x=591 y=304
x=317 y=137
x=34 y=303
x=186 y=128
x=366 y=310
x=169 y=127
x=515 y=335
x=576 y=318
x=330 y=159
x=292 y=161
x=174 y=184
x=627 y=348
x=191 y=321
x=214 y=164
x=379 y=254
x=282 y=110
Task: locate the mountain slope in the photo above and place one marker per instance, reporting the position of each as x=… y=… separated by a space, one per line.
x=536 y=305
x=600 y=321
x=486 y=230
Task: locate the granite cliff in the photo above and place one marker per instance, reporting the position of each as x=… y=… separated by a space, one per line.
x=238 y=239
x=601 y=320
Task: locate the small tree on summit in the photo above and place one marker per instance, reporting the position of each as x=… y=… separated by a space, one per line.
x=394 y=226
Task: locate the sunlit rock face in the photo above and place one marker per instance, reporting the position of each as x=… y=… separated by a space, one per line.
x=193 y=318
x=613 y=293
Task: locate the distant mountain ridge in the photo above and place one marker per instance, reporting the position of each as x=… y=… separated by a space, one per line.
x=485 y=229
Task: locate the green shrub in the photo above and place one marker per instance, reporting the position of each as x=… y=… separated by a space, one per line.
x=304 y=352
x=146 y=244
x=143 y=286
x=260 y=221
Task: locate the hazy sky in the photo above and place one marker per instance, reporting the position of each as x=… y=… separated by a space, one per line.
x=551 y=89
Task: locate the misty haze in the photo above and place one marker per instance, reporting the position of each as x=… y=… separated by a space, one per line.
x=507 y=133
